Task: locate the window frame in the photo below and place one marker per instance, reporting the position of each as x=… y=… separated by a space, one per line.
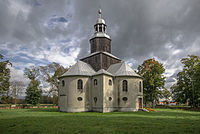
x=95 y=82
x=125 y=99
x=80 y=84
x=125 y=85
x=79 y=98
x=63 y=83
x=110 y=82
x=140 y=86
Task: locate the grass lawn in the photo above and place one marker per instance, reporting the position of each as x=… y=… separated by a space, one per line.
x=49 y=121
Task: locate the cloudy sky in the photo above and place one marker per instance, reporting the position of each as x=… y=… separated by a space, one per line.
x=38 y=32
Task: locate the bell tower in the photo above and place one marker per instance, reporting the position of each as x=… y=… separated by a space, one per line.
x=100 y=41
x=100 y=56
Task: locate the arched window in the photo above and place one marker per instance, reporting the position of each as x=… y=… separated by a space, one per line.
x=125 y=86
x=96 y=28
x=80 y=84
x=95 y=81
x=63 y=83
x=100 y=28
x=140 y=86
x=110 y=82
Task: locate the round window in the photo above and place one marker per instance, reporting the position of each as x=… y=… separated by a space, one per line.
x=124 y=98
x=110 y=98
x=79 y=98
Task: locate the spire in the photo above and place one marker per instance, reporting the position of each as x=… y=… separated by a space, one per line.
x=99 y=11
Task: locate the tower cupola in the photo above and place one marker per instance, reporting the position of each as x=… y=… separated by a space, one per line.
x=100 y=27
x=100 y=41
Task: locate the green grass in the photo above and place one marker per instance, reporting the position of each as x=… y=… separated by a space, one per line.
x=49 y=121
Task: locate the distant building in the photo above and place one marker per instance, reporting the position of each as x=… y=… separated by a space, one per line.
x=100 y=82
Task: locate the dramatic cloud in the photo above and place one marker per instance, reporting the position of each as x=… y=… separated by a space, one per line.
x=37 y=32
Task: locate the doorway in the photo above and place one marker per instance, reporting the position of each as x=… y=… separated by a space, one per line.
x=140 y=103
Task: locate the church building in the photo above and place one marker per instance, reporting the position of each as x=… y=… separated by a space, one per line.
x=100 y=82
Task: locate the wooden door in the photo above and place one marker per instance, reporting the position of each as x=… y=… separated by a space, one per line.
x=140 y=102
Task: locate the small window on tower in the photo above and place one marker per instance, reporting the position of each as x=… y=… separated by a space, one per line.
x=100 y=28
x=96 y=28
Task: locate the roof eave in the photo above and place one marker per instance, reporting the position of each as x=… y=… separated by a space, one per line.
x=74 y=75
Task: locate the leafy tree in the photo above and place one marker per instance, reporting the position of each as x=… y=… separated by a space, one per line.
x=50 y=74
x=197 y=85
x=16 y=88
x=187 y=87
x=152 y=72
x=165 y=94
x=4 y=77
x=33 y=91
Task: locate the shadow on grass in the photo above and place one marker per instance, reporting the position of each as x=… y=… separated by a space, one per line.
x=43 y=110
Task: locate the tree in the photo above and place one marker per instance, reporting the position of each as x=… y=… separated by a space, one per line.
x=152 y=72
x=187 y=87
x=33 y=91
x=197 y=85
x=16 y=88
x=4 y=77
x=50 y=74
x=165 y=94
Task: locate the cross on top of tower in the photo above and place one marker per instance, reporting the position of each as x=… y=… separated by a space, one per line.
x=100 y=12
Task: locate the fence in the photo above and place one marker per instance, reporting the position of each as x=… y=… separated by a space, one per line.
x=26 y=107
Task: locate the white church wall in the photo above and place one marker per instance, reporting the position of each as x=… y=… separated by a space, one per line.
x=131 y=104
x=76 y=100
x=97 y=93
x=109 y=98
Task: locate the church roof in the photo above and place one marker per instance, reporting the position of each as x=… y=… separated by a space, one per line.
x=100 y=34
x=102 y=71
x=80 y=68
x=100 y=21
x=109 y=54
x=122 y=69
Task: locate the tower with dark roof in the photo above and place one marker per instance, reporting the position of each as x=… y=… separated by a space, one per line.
x=100 y=46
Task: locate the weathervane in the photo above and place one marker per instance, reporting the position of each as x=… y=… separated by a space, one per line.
x=100 y=13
